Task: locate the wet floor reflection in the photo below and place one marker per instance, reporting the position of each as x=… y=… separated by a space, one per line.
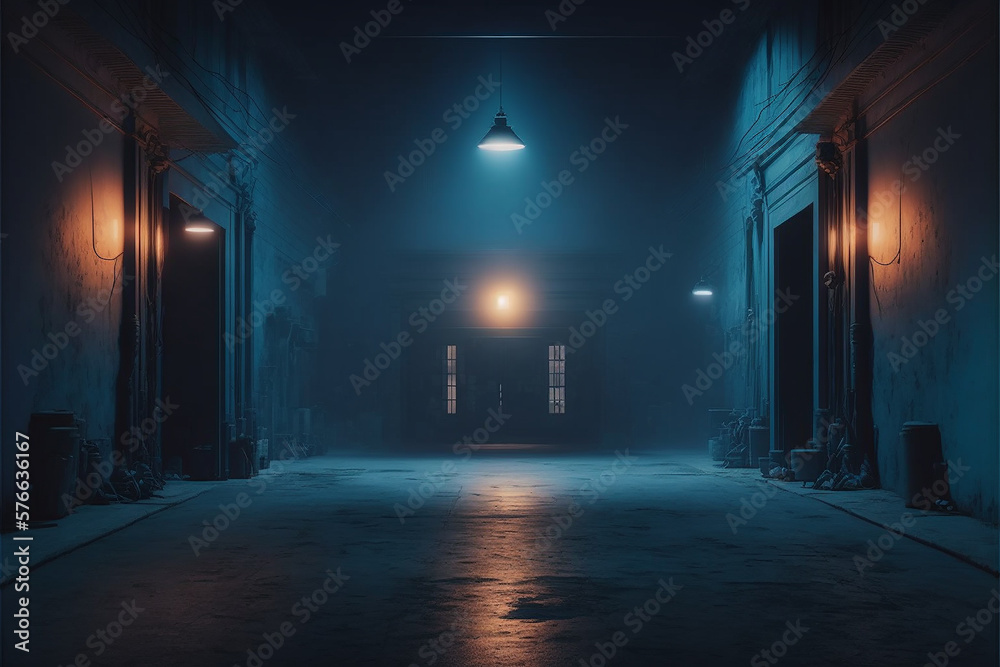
x=508 y=593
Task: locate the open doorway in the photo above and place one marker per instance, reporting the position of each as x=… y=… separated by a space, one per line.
x=794 y=335
x=193 y=306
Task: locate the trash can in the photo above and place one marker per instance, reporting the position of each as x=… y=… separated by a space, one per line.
x=717 y=449
x=808 y=464
x=54 y=449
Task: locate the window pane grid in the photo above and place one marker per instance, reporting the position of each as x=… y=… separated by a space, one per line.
x=557 y=379
x=451 y=380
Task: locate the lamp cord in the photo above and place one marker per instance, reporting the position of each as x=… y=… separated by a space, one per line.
x=501 y=75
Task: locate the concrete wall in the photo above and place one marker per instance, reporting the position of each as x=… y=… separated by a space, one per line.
x=264 y=192
x=765 y=176
x=54 y=283
x=943 y=225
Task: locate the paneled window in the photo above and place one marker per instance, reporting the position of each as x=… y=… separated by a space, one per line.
x=557 y=379
x=451 y=380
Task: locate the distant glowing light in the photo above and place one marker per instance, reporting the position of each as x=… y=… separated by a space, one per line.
x=504 y=302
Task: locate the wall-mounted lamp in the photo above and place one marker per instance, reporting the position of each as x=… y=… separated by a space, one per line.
x=829 y=158
x=702 y=288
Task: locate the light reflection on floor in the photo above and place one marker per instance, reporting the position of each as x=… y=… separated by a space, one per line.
x=516 y=559
x=505 y=602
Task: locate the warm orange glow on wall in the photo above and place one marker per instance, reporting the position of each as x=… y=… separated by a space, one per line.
x=874 y=232
x=831 y=248
x=884 y=208
x=102 y=212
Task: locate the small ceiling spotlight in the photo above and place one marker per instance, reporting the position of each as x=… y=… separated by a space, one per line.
x=195 y=222
x=702 y=288
x=501 y=137
x=199 y=228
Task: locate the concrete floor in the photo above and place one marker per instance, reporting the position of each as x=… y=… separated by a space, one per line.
x=527 y=559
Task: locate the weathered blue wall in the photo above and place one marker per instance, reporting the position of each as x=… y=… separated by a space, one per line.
x=947 y=216
x=50 y=267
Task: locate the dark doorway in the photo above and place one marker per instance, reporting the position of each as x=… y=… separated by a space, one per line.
x=193 y=284
x=793 y=331
x=510 y=372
